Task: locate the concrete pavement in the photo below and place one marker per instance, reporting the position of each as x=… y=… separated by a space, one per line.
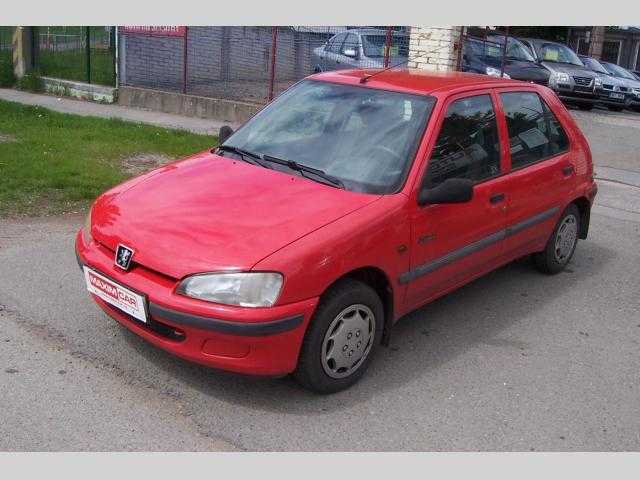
x=514 y=361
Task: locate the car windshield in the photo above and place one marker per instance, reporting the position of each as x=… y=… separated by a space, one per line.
x=554 y=52
x=618 y=71
x=364 y=137
x=594 y=65
x=373 y=45
x=515 y=49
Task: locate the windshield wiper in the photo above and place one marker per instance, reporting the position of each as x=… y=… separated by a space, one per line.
x=245 y=155
x=303 y=168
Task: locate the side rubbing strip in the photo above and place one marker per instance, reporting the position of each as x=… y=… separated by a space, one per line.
x=478 y=245
x=529 y=222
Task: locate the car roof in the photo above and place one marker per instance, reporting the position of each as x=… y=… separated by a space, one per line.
x=540 y=40
x=373 y=31
x=414 y=80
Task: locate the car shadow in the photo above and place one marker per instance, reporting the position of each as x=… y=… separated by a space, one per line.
x=421 y=341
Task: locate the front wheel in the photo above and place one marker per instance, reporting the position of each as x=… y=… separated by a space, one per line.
x=342 y=337
x=562 y=243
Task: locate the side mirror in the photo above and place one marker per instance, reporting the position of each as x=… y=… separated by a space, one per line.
x=350 y=52
x=225 y=132
x=452 y=190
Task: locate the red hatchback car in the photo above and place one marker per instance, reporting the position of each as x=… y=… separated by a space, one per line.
x=341 y=206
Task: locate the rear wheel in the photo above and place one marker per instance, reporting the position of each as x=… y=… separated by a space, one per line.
x=562 y=243
x=342 y=338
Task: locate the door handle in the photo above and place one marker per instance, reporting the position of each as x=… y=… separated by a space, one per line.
x=567 y=170
x=496 y=198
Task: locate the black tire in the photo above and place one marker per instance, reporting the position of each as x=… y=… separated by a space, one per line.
x=548 y=261
x=585 y=106
x=310 y=372
x=615 y=108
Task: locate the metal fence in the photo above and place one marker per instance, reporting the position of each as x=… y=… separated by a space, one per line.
x=6 y=60
x=85 y=54
x=250 y=63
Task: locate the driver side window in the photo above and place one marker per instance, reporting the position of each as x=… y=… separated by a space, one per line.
x=468 y=145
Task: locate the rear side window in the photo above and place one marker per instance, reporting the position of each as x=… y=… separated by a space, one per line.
x=535 y=133
x=335 y=43
x=468 y=144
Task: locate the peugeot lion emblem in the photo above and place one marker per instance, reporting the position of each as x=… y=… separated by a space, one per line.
x=123 y=257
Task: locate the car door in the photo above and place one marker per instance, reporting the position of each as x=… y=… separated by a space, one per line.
x=350 y=45
x=452 y=243
x=333 y=51
x=541 y=175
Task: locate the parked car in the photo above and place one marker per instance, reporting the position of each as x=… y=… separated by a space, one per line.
x=630 y=83
x=360 y=48
x=569 y=78
x=347 y=202
x=482 y=55
x=610 y=90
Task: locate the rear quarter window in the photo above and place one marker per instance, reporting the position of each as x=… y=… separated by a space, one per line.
x=535 y=133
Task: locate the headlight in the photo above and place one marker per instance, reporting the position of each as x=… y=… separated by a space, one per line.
x=560 y=77
x=636 y=91
x=86 y=229
x=598 y=82
x=245 y=289
x=495 y=72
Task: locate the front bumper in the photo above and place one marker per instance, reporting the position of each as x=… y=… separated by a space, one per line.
x=604 y=96
x=571 y=92
x=256 y=341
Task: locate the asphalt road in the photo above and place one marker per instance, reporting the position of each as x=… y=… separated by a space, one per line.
x=514 y=361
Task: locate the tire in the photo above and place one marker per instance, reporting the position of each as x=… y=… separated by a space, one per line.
x=585 y=106
x=554 y=258
x=345 y=305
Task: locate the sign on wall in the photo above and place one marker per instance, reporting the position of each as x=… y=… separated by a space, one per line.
x=157 y=30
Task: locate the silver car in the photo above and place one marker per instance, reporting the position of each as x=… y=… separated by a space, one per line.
x=569 y=78
x=630 y=83
x=360 y=48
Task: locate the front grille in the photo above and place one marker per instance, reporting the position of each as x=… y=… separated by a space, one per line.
x=624 y=89
x=583 y=89
x=607 y=86
x=583 y=81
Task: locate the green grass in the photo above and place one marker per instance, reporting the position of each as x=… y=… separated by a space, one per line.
x=71 y=65
x=55 y=163
x=6 y=69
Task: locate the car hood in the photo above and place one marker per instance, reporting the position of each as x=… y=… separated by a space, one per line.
x=608 y=79
x=569 y=69
x=210 y=213
x=527 y=71
x=627 y=82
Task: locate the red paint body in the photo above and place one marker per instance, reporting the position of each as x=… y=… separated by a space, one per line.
x=210 y=213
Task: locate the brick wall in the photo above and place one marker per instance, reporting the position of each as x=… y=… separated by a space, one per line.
x=437 y=47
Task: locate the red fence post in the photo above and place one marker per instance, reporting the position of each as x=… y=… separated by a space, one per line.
x=504 y=51
x=387 y=47
x=272 y=77
x=463 y=33
x=184 y=62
